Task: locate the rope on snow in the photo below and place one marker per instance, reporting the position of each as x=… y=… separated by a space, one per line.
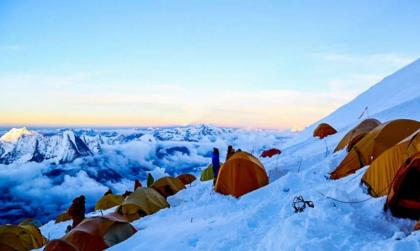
x=342 y=201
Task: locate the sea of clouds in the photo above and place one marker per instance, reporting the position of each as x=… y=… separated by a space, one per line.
x=43 y=190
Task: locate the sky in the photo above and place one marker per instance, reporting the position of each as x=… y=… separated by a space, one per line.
x=241 y=63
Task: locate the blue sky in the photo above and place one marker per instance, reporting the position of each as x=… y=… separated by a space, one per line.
x=272 y=64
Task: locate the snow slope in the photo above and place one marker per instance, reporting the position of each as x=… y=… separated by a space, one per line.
x=200 y=219
x=397 y=95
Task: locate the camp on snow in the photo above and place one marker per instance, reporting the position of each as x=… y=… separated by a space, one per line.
x=356 y=134
x=382 y=171
x=324 y=130
x=241 y=174
x=20 y=237
x=373 y=144
x=144 y=201
x=94 y=234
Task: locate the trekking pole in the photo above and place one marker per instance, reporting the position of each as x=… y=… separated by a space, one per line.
x=326 y=147
x=300 y=164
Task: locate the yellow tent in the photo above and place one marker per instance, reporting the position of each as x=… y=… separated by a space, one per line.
x=64 y=216
x=108 y=201
x=20 y=237
x=373 y=144
x=207 y=174
x=361 y=129
x=143 y=201
x=168 y=186
x=382 y=170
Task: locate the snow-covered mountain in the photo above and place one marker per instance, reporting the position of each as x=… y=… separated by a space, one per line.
x=23 y=145
x=15 y=134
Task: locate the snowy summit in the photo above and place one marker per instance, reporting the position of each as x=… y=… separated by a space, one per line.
x=15 y=134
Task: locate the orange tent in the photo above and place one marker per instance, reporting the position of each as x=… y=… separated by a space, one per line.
x=168 y=186
x=323 y=130
x=373 y=144
x=382 y=171
x=417 y=226
x=241 y=174
x=94 y=234
x=404 y=195
x=357 y=133
x=186 y=178
x=270 y=153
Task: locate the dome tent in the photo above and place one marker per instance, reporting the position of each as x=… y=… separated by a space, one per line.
x=270 y=153
x=382 y=171
x=207 y=173
x=109 y=201
x=241 y=174
x=143 y=201
x=186 y=178
x=357 y=133
x=324 y=130
x=94 y=234
x=373 y=144
x=20 y=237
x=64 y=216
x=404 y=195
x=168 y=186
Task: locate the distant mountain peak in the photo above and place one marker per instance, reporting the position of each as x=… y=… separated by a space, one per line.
x=14 y=134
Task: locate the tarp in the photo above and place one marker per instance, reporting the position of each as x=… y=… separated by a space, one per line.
x=143 y=201
x=324 y=130
x=109 y=201
x=94 y=234
x=373 y=144
x=168 y=186
x=357 y=133
x=382 y=171
x=241 y=174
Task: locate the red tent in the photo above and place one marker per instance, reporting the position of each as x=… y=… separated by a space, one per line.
x=270 y=153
